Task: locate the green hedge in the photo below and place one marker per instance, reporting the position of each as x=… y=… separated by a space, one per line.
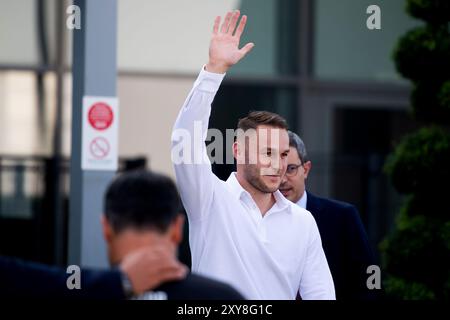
x=432 y=11
x=401 y=289
x=417 y=252
x=421 y=162
x=424 y=53
x=444 y=96
x=420 y=204
x=430 y=102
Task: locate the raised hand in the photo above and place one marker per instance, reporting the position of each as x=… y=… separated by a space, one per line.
x=147 y=268
x=224 y=49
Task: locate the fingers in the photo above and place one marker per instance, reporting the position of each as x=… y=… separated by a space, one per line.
x=174 y=273
x=162 y=274
x=155 y=277
x=229 y=24
x=147 y=268
x=247 y=48
x=241 y=27
x=216 y=25
x=234 y=20
x=226 y=23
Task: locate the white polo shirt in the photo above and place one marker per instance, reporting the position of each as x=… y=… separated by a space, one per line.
x=265 y=257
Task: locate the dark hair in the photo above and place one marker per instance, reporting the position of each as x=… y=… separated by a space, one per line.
x=258 y=118
x=296 y=142
x=141 y=200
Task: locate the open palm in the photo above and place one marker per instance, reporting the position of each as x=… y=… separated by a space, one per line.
x=224 y=49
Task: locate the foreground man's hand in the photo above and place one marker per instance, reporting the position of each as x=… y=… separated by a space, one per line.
x=147 y=268
x=224 y=49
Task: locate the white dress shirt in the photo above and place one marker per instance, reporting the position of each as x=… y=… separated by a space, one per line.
x=302 y=201
x=265 y=257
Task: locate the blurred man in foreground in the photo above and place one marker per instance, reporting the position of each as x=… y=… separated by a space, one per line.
x=143 y=210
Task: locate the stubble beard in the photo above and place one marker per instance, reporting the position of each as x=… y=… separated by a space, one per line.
x=253 y=176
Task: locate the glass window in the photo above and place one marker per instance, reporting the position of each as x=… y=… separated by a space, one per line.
x=17 y=32
x=21 y=41
x=26 y=116
x=272 y=25
x=166 y=36
x=172 y=36
x=346 y=49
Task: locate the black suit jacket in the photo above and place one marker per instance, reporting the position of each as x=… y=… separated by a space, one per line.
x=197 y=287
x=19 y=279
x=346 y=246
x=33 y=280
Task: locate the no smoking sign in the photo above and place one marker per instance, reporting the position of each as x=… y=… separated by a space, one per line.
x=99 y=148
x=100 y=132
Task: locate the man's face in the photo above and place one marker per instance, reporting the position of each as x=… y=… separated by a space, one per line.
x=293 y=183
x=265 y=163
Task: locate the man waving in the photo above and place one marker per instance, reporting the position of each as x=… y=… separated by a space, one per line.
x=243 y=231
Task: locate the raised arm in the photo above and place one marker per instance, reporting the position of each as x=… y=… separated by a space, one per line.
x=192 y=167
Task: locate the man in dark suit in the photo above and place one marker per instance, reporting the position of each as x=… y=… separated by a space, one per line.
x=143 y=210
x=344 y=238
x=139 y=271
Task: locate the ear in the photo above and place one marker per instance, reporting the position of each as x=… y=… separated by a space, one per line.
x=235 y=150
x=176 y=229
x=108 y=232
x=307 y=165
x=239 y=152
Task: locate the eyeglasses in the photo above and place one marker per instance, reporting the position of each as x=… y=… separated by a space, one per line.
x=292 y=169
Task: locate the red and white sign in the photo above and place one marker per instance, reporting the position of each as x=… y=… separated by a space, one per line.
x=100 y=133
x=100 y=116
x=99 y=148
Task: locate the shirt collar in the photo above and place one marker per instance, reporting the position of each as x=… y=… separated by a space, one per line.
x=235 y=186
x=302 y=202
x=281 y=203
